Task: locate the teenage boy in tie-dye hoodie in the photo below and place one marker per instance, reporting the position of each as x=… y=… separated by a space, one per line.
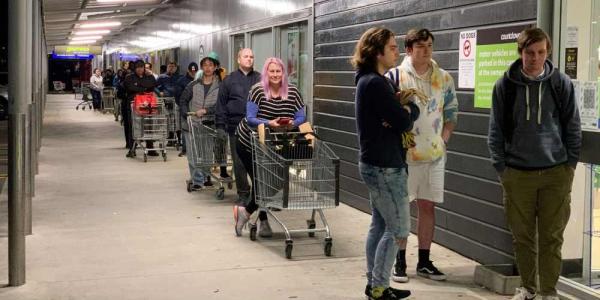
x=426 y=154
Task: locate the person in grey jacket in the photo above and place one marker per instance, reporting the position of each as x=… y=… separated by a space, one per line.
x=534 y=141
x=200 y=98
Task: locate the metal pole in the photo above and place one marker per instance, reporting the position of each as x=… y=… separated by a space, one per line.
x=28 y=88
x=17 y=27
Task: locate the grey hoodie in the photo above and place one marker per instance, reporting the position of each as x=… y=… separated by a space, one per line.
x=192 y=99
x=546 y=131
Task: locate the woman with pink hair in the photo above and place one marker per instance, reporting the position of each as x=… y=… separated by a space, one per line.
x=274 y=103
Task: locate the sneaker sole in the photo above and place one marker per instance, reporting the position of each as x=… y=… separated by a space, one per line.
x=432 y=277
x=400 y=279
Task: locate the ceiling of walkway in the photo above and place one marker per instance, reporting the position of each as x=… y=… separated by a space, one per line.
x=94 y=22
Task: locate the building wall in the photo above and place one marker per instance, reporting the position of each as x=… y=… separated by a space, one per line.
x=471 y=221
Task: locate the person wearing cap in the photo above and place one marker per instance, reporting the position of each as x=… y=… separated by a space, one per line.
x=200 y=98
x=231 y=109
x=183 y=81
x=136 y=83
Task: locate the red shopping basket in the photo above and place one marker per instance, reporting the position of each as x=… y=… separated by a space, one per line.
x=145 y=104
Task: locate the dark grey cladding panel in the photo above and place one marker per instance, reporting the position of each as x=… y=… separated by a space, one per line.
x=335 y=93
x=447 y=60
x=334 y=122
x=354 y=186
x=356 y=201
x=350 y=170
x=338 y=137
x=590 y=145
x=466 y=103
x=443 y=41
x=334 y=78
x=470 y=186
x=493 y=12
x=475 y=209
x=344 y=153
x=471 y=249
x=476 y=166
x=341 y=108
x=356 y=12
x=491 y=236
x=470 y=144
x=473 y=123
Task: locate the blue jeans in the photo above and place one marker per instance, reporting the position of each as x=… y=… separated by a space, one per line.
x=197 y=175
x=390 y=220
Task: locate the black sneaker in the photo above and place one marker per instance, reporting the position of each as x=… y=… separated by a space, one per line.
x=399 y=274
x=389 y=294
x=208 y=183
x=182 y=153
x=368 y=291
x=428 y=270
x=130 y=154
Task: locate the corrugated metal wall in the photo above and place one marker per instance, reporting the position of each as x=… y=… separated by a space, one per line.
x=471 y=221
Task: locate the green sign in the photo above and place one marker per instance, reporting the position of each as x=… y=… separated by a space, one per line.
x=496 y=50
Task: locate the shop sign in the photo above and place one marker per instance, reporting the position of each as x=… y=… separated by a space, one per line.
x=466 y=59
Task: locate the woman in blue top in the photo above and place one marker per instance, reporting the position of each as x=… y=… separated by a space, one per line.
x=272 y=99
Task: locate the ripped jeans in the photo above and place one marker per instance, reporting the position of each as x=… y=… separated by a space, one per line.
x=390 y=220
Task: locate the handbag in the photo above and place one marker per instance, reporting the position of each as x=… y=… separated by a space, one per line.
x=145 y=104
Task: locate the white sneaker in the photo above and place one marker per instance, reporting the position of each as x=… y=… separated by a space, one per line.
x=523 y=294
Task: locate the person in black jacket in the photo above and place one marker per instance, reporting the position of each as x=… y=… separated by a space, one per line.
x=381 y=119
x=231 y=109
x=138 y=82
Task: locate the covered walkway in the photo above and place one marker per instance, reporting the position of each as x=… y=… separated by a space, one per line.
x=107 y=227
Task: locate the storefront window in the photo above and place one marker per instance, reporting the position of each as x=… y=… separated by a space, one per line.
x=238 y=43
x=293 y=50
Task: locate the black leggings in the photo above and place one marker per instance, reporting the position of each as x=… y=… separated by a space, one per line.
x=245 y=156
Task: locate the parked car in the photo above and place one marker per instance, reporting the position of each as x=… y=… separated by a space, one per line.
x=3 y=102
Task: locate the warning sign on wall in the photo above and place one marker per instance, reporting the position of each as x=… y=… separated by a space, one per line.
x=466 y=59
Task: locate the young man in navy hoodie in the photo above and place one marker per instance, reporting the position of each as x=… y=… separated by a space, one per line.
x=534 y=141
x=381 y=120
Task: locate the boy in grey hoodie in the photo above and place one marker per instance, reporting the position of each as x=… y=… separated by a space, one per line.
x=534 y=141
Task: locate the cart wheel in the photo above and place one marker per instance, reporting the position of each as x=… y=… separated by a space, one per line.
x=253 y=232
x=230 y=185
x=289 y=246
x=145 y=157
x=311 y=225
x=189 y=184
x=77 y=108
x=83 y=108
x=220 y=194
x=328 y=245
x=164 y=155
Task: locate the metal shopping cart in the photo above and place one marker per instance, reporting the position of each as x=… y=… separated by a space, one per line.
x=108 y=99
x=86 y=97
x=295 y=171
x=173 y=122
x=208 y=150
x=117 y=108
x=150 y=125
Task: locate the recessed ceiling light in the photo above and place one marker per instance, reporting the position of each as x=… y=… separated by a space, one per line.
x=100 y=25
x=87 y=42
x=86 y=38
x=91 y=32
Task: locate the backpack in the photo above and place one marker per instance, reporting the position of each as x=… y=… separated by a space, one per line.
x=509 y=103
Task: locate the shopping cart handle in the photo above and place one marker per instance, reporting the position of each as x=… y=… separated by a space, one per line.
x=191 y=113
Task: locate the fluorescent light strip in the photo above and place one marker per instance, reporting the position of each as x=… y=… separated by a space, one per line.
x=82 y=42
x=92 y=32
x=100 y=25
x=86 y=38
x=121 y=1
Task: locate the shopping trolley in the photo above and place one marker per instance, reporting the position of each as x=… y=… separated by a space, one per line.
x=208 y=150
x=117 y=108
x=295 y=171
x=108 y=99
x=149 y=123
x=86 y=97
x=173 y=122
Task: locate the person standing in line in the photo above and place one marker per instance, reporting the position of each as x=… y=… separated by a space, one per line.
x=381 y=120
x=166 y=84
x=534 y=141
x=136 y=83
x=148 y=67
x=200 y=97
x=96 y=87
x=231 y=109
x=270 y=100
x=183 y=81
x=431 y=132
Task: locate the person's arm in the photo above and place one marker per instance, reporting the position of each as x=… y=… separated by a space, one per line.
x=450 y=108
x=495 y=134
x=571 y=124
x=389 y=108
x=251 y=115
x=299 y=116
x=186 y=97
x=221 y=108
